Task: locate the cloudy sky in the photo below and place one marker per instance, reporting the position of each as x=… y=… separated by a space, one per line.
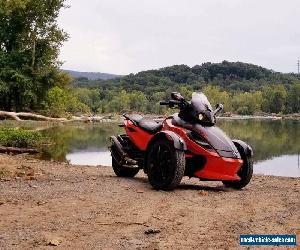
x=127 y=36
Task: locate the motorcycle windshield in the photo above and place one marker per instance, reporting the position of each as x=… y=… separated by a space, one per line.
x=200 y=102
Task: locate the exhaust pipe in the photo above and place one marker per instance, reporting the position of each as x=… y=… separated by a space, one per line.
x=119 y=154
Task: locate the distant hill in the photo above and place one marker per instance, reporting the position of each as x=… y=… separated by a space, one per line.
x=243 y=88
x=91 y=75
x=230 y=76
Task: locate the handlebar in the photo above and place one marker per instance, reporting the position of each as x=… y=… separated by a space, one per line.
x=172 y=103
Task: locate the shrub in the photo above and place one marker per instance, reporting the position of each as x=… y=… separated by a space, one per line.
x=60 y=102
x=13 y=137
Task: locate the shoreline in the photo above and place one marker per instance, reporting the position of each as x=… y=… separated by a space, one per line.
x=262 y=117
x=107 y=118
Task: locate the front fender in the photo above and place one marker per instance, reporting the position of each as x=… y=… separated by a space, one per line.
x=168 y=135
x=243 y=147
x=179 y=143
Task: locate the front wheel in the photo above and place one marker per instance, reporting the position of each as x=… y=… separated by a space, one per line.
x=165 y=165
x=245 y=173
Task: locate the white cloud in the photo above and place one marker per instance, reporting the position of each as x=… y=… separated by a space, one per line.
x=124 y=36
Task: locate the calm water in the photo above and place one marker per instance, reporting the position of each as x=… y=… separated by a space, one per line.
x=276 y=144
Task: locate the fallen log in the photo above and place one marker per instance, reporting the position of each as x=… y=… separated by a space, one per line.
x=18 y=116
x=14 y=150
x=11 y=115
x=31 y=116
x=39 y=117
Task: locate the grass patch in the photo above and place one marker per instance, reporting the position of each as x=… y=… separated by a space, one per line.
x=18 y=137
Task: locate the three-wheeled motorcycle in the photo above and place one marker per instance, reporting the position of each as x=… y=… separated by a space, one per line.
x=187 y=143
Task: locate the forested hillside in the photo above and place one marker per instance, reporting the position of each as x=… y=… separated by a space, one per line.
x=243 y=88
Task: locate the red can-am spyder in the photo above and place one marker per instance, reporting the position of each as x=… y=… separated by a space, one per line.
x=187 y=143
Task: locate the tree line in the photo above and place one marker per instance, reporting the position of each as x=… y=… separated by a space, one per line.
x=242 y=88
x=270 y=99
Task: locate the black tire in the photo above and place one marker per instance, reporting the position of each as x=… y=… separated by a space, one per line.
x=122 y=171
x=245 y=173
x=165 y=165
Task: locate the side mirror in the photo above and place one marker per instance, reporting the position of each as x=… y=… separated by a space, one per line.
x=176 y=96
x=219 y=106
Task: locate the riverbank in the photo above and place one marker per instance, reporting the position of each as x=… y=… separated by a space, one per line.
x=114 y=117
x=258 y=116
x=44 y=203
x=261 y=116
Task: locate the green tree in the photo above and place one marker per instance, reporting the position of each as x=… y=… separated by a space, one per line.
x=247 y=103
x=274 y=98
x=90 y=97
x=118 y=103
x=137 y=101
x=293 y=99
x=30 y=40
x=185 y=92
x=60 y=102
x=216 y=95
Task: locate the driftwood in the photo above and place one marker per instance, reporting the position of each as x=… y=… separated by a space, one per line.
x=28 y=116
x=89 y=118
x=11 y=115
x=31 y=116
x=17 y=150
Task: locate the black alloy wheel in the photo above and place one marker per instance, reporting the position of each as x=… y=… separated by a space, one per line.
x=165 y=165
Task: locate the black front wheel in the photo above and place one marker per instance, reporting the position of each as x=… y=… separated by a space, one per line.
x=165 y=165
x=245 y=173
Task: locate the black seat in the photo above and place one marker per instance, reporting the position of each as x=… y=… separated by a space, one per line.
x=135 y=118
x=149 y=125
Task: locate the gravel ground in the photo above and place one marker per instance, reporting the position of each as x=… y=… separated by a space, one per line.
x=46 y=205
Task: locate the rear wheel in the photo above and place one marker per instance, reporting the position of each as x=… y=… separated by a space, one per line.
x=123 y=171
x=245 y=173
x=165 y=165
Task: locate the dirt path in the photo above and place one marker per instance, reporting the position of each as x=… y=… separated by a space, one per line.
x=90 y=208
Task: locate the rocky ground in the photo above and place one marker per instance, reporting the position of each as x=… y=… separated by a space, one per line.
x=45 y=205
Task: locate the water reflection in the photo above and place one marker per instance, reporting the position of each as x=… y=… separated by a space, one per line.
x=72 y=141
x=267 y=138
x=285 y=165
x=90 y=158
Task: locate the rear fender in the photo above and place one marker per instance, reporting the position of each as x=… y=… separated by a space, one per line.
x=243 y=148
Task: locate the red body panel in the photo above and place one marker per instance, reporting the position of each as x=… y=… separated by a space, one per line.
x=138 y=136
x=215 y=168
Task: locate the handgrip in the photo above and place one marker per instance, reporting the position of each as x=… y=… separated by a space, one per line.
x=164 y=103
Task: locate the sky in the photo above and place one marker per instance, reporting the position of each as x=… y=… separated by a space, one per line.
x=128 y=36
